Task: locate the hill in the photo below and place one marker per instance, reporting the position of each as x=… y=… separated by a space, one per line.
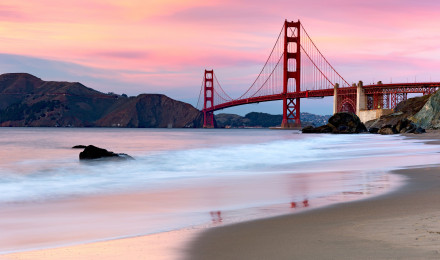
x=255 y=119
x=26 y=100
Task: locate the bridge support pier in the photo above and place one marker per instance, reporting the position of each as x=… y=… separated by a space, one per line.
x=291 y=106
x=361 y=98
x=208 y=114
x=335 y=98
x=208 y=119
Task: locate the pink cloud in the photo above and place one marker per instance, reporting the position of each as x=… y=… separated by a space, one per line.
x=176 y=40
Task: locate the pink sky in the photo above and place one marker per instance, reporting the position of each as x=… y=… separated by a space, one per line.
x=163 y=46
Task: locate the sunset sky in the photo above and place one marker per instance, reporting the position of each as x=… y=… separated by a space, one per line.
x=163 y=46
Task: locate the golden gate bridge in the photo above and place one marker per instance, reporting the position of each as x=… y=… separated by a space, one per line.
x=297 y=69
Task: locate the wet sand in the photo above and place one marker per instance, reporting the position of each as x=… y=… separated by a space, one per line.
x=404 y=224
x=401 y=225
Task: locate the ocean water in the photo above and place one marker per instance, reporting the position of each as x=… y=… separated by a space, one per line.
x=181 y=178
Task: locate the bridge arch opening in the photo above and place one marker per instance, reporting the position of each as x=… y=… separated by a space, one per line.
x=347 y=105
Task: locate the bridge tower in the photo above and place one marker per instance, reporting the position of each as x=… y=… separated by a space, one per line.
x=208 y=116
x=291 y=106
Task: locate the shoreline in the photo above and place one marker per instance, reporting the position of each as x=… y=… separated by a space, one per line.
x=402 y=224
x=398 y=224
x=180 y=237
x=252 y=239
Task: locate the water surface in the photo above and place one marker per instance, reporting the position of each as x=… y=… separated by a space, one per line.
x=181 y=178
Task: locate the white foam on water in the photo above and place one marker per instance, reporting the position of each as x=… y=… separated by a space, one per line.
x=59 y=177
x=181 y=178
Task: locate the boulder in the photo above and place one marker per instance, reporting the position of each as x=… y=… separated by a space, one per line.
x=373 y=130
x=92 y=152
x=308 y=130
x=339 y=123
x=347 y=123
x=318 y=130
x=419 y=130
x=402 y=126
x=387 y=130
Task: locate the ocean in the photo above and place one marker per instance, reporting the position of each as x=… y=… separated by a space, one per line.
x=182 y=178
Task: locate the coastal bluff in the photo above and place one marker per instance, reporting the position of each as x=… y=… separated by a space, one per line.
x=26 y=100
x=417 y=113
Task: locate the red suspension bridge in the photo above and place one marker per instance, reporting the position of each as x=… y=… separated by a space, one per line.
x=297 y=69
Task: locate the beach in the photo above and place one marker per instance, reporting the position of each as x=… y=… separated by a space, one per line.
x=399 y=224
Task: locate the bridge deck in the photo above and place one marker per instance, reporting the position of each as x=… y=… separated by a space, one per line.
x=369 y=89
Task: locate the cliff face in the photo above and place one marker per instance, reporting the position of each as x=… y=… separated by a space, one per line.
x=429 y=115
x=404 y=110
x=26 y=100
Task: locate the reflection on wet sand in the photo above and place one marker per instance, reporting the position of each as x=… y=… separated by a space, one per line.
x=216 y=217
x=304 y=203
x=219 y=201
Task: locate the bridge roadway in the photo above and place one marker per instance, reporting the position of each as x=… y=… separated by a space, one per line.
x=369 y=89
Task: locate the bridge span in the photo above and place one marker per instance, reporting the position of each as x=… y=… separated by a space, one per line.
x=296 y=69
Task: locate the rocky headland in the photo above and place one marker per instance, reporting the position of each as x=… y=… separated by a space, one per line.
x=410 y=116
x=26 y=100
x=413 y=115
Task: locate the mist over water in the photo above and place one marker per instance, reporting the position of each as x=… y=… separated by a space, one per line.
x=180 y=176
x=39 y=164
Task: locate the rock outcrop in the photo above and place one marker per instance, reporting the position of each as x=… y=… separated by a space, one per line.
x=26 y=100
x=92 y=152
x=428 y=116
x=404 y=111
x=339 y=123
x=407 y=117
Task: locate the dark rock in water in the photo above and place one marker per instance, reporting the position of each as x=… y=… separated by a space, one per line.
x=373 y=130
x=405 y=126
x=93 y=152
x=387 y=130
x=308 y=130
x=410 y=128
x=419 y=130
x=79 y=146
x=339 y=123
x=325 y=129
x=402 y=126
x=347 y=123
x=317 y=130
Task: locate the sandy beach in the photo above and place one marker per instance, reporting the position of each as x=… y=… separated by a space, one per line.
x=402 y=224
